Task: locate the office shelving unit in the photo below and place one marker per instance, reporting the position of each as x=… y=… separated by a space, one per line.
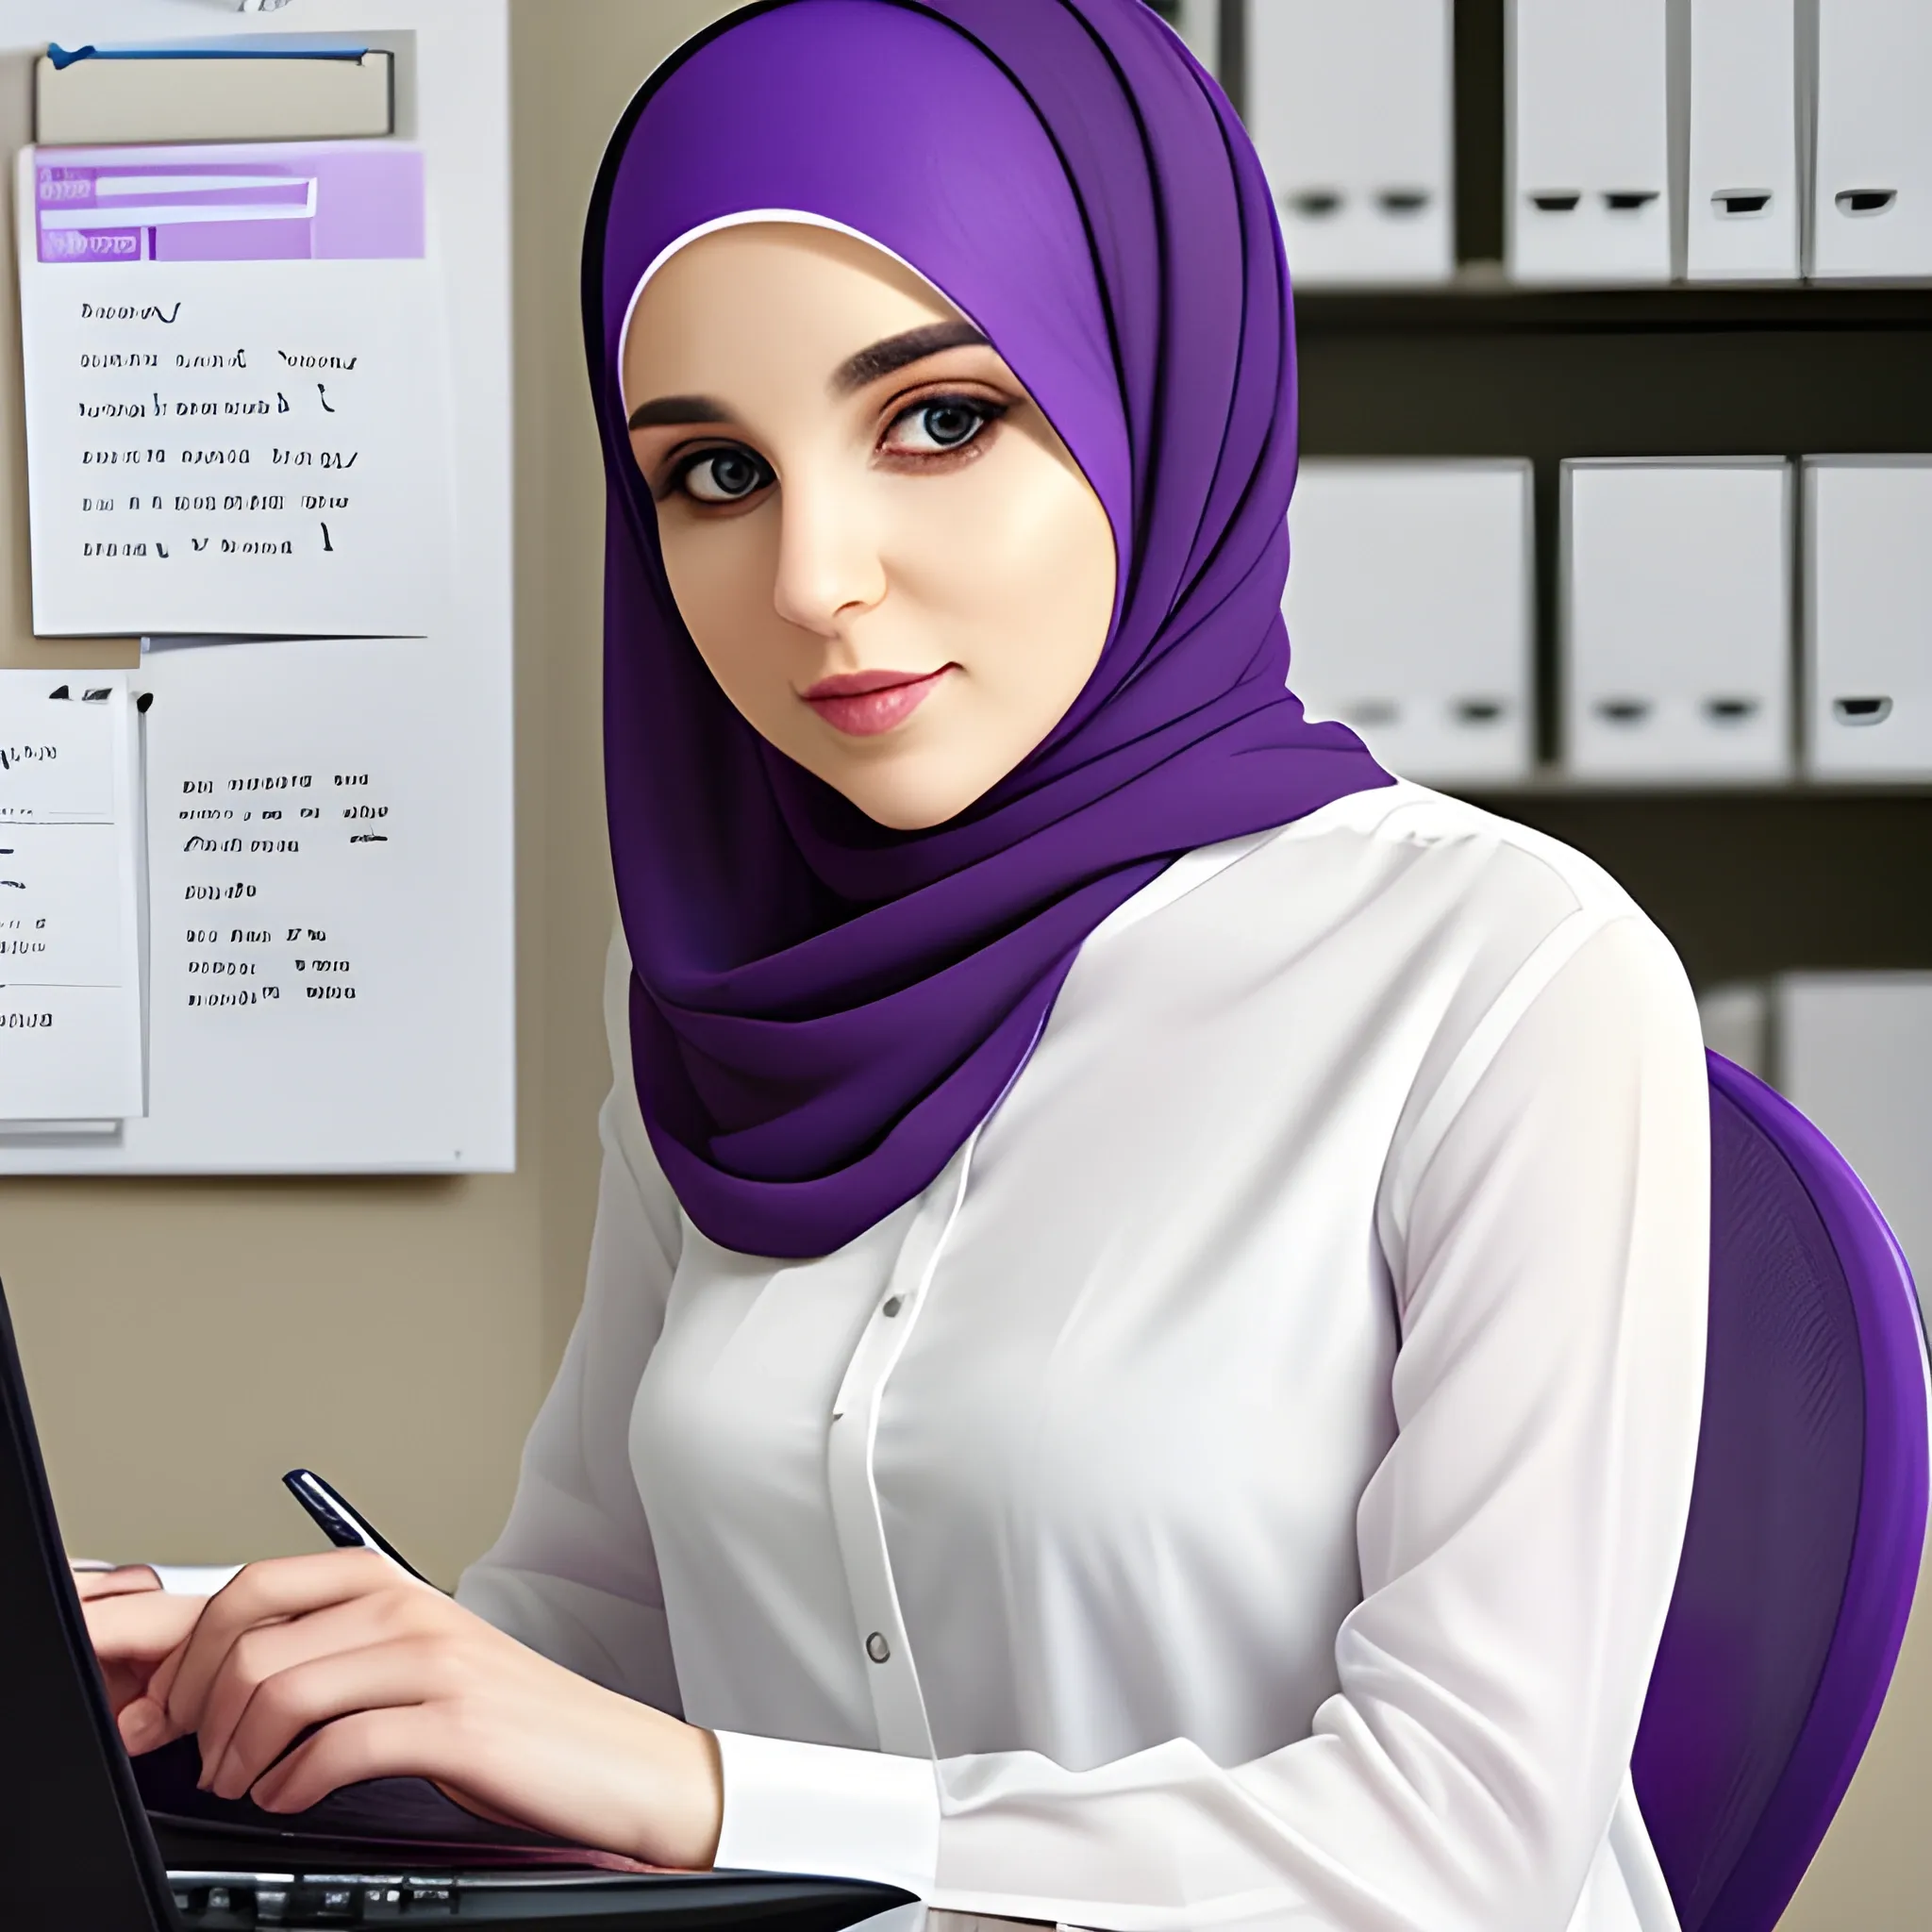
x=1747 y=880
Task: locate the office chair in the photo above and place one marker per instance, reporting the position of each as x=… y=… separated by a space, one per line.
x=1807 y=1514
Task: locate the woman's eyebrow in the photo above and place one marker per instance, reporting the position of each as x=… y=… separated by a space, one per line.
x=896 y=351
x=668 y=409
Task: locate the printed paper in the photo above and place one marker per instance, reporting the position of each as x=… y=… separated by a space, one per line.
x=327 y=938
x=70 y=963
x=237 y=394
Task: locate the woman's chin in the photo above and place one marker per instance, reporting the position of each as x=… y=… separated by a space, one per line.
x=904 y=798
x=909 y=815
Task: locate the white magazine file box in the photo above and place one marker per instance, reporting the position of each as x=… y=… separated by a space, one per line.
x=1351 y=109
x=1676 y=619
x=1872 y=198
x=1868 y=617
x=1743 y=219
x=1409 y=613
x=1853 y=1052
x=1589 y=136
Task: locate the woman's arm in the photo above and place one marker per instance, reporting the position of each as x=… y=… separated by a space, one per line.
x=544 y=1696
x=573 y=1574
x=1518 y=1546
x=532 y=1696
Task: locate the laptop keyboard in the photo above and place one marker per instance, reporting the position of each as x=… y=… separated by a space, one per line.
x=219 y=1900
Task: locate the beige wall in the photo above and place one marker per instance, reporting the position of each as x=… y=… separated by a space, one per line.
x=1874 y=1870
x=185 y=1342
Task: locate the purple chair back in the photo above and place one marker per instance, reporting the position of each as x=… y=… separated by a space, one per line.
x=1807 y=1515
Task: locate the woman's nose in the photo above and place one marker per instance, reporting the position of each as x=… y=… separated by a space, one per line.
x=829 y=567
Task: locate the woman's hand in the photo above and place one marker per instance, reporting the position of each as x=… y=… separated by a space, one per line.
x=404 y=1682
x=134 y=1626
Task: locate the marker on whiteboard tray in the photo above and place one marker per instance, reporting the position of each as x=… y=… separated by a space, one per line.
x=343 y=1524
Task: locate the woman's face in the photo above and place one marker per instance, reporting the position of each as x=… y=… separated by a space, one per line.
x=881 y=547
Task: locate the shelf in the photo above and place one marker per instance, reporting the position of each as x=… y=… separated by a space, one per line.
x=1557 y=785
x=1752 y=883
x=1482 y=301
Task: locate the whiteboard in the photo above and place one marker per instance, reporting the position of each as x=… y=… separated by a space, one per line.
x=329 y=949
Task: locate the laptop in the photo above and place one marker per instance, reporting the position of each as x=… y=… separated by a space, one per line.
x=79 y=1848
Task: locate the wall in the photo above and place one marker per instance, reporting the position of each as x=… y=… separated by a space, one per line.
x=1874 y=1869
x=185 y=1342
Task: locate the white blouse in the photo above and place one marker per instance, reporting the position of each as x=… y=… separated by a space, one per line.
x=1246 y=1489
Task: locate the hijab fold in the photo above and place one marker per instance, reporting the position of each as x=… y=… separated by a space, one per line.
x=822 y=1009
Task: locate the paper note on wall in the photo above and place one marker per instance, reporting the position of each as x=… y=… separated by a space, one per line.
x=236 y=409
x=70 y=963
x=322 y=920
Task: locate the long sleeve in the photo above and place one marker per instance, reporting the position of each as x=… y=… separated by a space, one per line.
x=1544 y=1218
x=574 y=1574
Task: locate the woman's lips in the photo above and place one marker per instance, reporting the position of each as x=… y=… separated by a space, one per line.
x=862 y=704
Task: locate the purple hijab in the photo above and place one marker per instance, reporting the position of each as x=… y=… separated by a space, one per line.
x=822 y=1009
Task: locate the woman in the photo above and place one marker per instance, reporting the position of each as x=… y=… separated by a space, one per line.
x=1144 y=1336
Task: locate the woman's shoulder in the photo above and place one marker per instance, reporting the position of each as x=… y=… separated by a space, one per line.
x=1407 y=834
x=1406 y=873
x=1403 y=898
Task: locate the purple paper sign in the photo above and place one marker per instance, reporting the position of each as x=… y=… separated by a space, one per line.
x=342 y=201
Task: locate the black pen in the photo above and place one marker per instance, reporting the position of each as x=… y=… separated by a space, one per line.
x=339 y=1520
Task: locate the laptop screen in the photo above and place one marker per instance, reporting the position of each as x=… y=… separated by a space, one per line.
x=70 y=1858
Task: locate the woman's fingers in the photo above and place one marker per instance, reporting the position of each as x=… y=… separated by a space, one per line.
x=307 y=1674
x=266 y=1593
x=410 y=1670
x=464 y=1758
x=140 y=1626
x=125 y=1581
x=162 y=1685
x=262 y=1653
x=262 y=1656
x=405 y=1741
x=508 y=1733
x=135 y=1634
x=143 y=1724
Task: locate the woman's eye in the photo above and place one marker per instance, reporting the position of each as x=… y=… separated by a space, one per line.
x=723 y=476
x=945 y=422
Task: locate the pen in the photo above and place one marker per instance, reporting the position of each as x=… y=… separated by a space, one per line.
x=339 y=1520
